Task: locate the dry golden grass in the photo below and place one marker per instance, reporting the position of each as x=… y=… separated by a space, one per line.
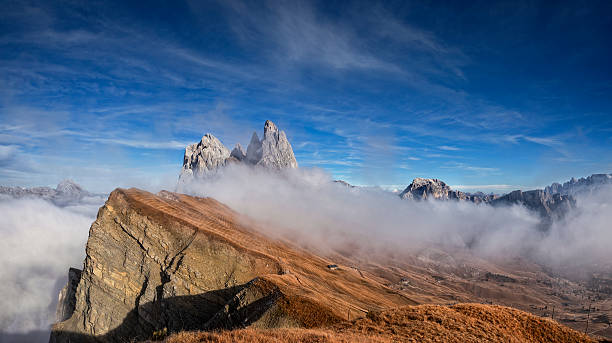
x=424 y=323
x=314 y=295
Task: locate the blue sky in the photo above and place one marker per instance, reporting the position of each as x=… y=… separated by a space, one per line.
x=483 y=95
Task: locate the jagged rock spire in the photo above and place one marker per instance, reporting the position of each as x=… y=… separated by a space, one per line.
x=205 y=157
x=253 y=154
x=276 y=149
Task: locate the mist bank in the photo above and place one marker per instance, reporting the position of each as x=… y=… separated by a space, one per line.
x=307 y=207
x=40 y=240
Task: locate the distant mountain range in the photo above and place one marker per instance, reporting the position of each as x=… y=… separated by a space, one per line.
x=581 y=186
x=275 y=152
x=66 y=193
x=550 y=206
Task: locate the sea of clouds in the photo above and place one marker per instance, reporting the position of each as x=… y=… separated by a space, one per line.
x=39 y=241
x=308 y=207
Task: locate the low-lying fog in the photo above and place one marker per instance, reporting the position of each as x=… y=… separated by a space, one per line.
x=40 y=241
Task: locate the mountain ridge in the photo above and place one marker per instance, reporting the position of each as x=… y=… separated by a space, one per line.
x=67 y=192
x=187 y=262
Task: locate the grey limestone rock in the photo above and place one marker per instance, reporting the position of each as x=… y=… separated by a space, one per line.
x=253 y=154
x=238 y=153
x=206 y=157
x=583 y=185
x=276 y=150
x=66 y=193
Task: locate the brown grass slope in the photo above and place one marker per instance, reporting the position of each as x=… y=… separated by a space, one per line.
x=423 y=323
x=312 y=294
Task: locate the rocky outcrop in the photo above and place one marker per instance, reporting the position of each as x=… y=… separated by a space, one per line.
x=276 y=152
x=66 y=301
x=238 y=153
x=175 y=262
x=549 y=207
x=344 y=183
x=254 y=151
x=66 y=193
x=424 y=189
x=206 y=157
x=583 y=185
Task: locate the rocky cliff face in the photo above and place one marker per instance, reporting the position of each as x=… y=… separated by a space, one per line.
x=550 y=207
x=423 y=189
x=581 y=186
x=206 y=157
x=66 y=301
x=276 y=152
x=185 y=263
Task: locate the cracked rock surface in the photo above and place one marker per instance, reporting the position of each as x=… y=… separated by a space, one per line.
x=140 y=262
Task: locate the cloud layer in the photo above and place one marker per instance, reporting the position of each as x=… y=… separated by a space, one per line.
x=39 y=241
x=307 y=207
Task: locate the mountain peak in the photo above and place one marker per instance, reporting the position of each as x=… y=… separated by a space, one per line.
x=422 y=188
x=238 y=152
x=270 y=127
x=204 y=157
x=273 y=151
x=578 y=186
x=69 y=186
x=253 y=154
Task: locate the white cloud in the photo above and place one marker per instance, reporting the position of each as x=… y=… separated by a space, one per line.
x=38 y=243
x=142 y=144
x=7 y=152
x=306 y=207
x=448 y=148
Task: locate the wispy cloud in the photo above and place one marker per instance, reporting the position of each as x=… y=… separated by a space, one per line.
x=7 y=152
x=478 y=170
x=142 y=144
x=448 y=148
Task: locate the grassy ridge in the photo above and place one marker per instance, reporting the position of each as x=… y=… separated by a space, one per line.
x=423 y=323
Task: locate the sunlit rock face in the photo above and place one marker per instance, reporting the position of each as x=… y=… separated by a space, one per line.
x=204 y=157
x=169 y=261
x=209 y=155
x=154 y=262
x=422 y=189
x=276 y=151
